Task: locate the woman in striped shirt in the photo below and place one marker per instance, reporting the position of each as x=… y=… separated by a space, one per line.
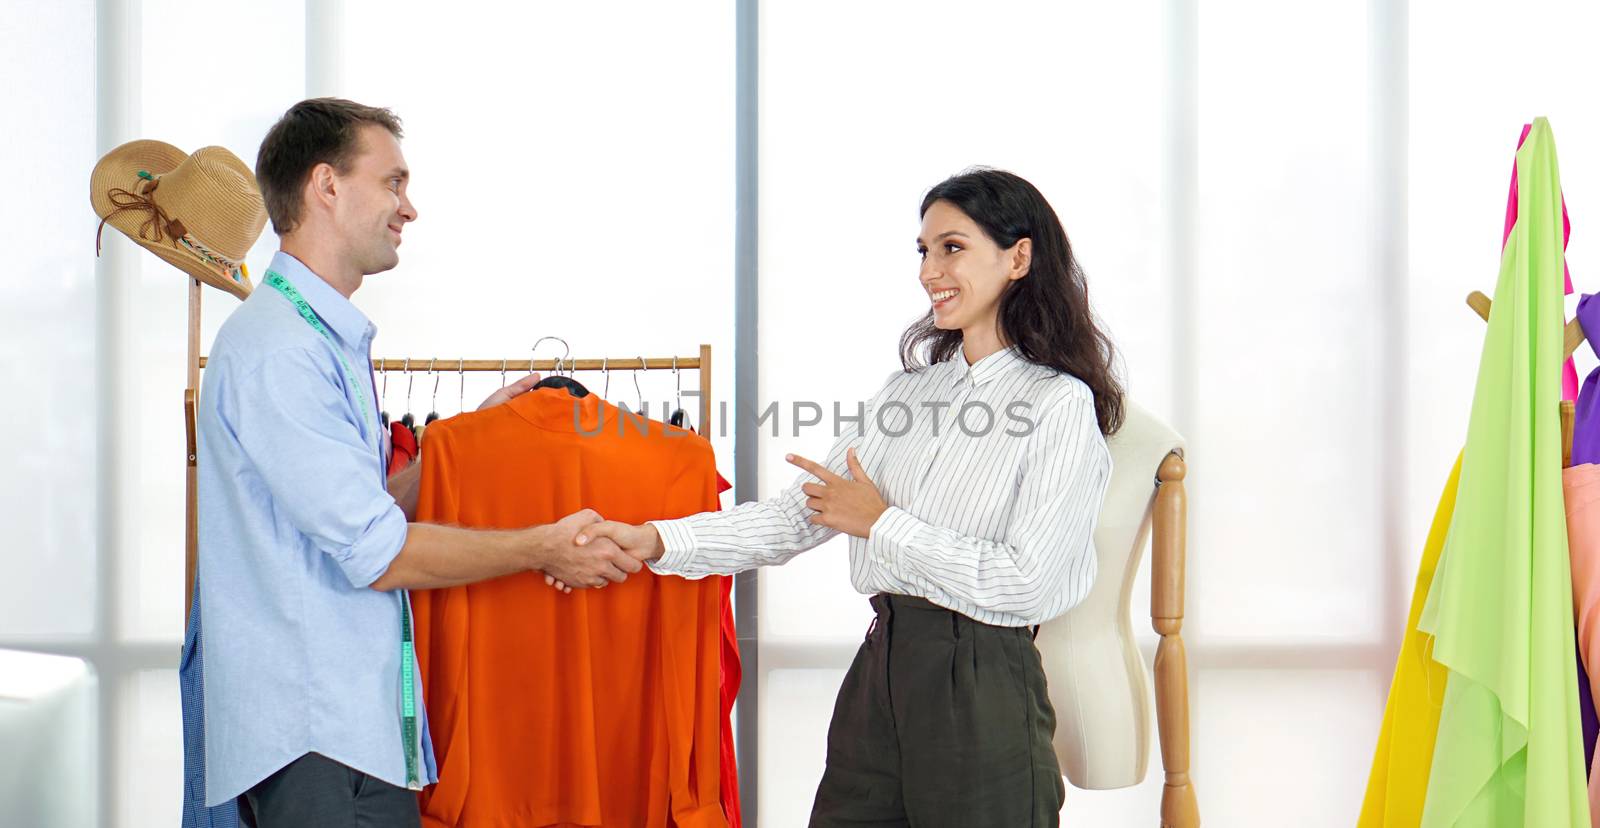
x=969 y=491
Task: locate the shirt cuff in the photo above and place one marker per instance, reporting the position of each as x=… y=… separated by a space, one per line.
x=677 y=538
x=890 y=535
x=377 y=547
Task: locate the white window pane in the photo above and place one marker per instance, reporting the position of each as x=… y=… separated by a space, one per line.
x=1284 y=747
x=47 y=315
x=850 y=144
x=796 y=706
x=232 y=104
x=152 y=749
x=814 y=586
x=572 y=168
x=47 y=725
x=1286 y=471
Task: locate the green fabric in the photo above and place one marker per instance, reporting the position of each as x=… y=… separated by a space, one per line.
x=1500 y=608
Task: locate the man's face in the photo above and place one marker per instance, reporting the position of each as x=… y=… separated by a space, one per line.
x=373 y=206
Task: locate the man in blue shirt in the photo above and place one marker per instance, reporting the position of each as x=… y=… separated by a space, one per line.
x=313 y=715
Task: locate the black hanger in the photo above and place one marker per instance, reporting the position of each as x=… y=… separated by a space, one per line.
x=678 y=416
x=383 y=397
x=408 y=421
x=573 y=387
x=433 y=414
x=556 y=380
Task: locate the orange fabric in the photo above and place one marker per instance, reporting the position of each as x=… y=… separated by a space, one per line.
x=596 y=708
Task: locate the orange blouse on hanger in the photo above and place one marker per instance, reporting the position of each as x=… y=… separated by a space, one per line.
x=599 y=707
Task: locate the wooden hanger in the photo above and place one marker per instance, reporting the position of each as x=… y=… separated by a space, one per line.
x=1573 y=338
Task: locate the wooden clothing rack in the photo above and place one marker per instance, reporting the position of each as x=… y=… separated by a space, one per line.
x=191 y=394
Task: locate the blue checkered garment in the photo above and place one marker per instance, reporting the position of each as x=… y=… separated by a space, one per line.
x=191 y=683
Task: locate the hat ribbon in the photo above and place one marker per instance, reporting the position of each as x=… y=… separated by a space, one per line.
x=156 y=219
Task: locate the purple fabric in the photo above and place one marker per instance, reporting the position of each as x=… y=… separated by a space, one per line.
x=1591 y=724
x=1586 y=449
x=1586 y=417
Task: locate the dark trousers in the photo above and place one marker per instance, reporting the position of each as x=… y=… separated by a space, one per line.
x=941 y=721
x=317 y=792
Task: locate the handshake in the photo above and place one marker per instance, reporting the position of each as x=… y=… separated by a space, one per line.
x=583 y=550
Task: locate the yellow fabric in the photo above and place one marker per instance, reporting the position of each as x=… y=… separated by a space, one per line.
x=1398 y=783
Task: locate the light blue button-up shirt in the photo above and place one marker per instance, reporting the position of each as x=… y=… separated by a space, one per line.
x=301 y=654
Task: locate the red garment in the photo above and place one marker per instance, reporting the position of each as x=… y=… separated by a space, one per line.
x=602 y=707
x=402 y=447
x=732 y=674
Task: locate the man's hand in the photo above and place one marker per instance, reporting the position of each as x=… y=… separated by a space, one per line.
x=641 y=543
x=505 y=394
x=569 y=564
x=849 y=504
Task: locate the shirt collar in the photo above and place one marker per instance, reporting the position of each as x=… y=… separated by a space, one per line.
x=554 y=409
x=995 y=365
x=337 y=312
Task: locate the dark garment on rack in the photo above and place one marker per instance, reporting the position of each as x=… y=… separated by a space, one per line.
x=944 y=722
x=191 y=695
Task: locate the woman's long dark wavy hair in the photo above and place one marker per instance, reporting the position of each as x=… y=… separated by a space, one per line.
x=1046 y=313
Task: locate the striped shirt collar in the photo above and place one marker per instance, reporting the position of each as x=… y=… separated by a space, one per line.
x=998 y=364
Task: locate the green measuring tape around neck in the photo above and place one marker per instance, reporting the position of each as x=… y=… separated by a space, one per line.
x=408 y=693
x=282 y=286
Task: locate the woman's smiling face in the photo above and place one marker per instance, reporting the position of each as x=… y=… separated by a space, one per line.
x=963 y=271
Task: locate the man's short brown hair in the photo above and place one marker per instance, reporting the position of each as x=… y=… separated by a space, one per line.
x=312 y=132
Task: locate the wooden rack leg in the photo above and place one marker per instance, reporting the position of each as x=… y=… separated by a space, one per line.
x=191 y=514
x=1568 y=409
x=191 y=517
x=1179 y=808
x=705 y=391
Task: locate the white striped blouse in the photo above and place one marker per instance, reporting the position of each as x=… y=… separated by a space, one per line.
x=994 y=475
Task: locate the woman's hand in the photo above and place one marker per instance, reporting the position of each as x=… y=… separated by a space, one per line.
x=849 y=504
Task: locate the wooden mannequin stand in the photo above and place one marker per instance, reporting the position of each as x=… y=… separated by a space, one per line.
x=1179 y=808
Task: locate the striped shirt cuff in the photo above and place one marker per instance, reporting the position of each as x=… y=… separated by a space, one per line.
x=678 y=540
x=890 y=536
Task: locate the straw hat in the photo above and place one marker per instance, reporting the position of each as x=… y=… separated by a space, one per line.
x=200 y=212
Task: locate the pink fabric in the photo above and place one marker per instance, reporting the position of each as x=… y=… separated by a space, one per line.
x=1569 y=371
x=1581 y=485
